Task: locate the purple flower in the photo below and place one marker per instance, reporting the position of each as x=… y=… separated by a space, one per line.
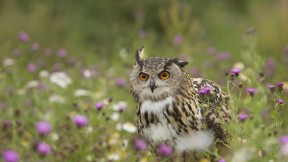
x=235 y=71
x=80 y=120
x=62 y=52
x=10 y=156
x=243 y=116
x=35 y=46
x=283 y=140
x=272 y=87
x=16 y=52
x=223 y=56
x=31 y=67
x=164 y=150
x=43 y=128
x=122 y=106
x=270 y=66
x=99 y=105
x=222 y=160
x=212 y=51
x=48 y=51
x=184 y=57
x=280 y=101
x=43 y=149
x=205 y=90
x=140 y=144
x=120 y=82
x=178 y=39
x=280 y=84
x=142 y=34
x=24 y=37
x=72 y=61
x=251 y=91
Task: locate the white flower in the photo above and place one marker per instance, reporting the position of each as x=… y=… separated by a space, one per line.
x=61 y=79
x=8 y=62
x=81 y=92
x=56 y=99
x=284 y=149
x=239 y=65
x=114 y=156
x=32 y=84
x=243 y=155
x=129 y=127
x=89 y=129
x=87 y=73
x=118 y=126
x=115 y=116
x=54 y=136
x=43 y=73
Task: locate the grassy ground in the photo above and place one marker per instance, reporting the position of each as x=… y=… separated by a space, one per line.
x=60 y=59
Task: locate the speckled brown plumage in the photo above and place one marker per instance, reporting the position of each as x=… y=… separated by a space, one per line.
x=175 y=111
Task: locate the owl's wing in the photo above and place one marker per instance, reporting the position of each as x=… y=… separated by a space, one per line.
x=215 y=105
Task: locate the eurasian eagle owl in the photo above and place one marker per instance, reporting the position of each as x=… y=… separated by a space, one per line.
x=172 y=108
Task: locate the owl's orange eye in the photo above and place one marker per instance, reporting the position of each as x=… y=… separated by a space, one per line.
x=143 y=76
x=164 y=75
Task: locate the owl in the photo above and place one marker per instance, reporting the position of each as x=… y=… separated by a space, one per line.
x=172 y=108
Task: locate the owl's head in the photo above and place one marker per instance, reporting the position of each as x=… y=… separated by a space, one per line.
x=157 y=76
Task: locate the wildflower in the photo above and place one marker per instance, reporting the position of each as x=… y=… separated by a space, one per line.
x=86 y=73
x=35 y=46
x=223 y=56
x=212 y=51
x=272 y=87
x=61 y=79
x=122 y=106
x=222 y=160
x=142 y=34
x=115 y=116
x=62 y=52
x=251 y=91
x=99 y=105
x=16 y=52
x=120 y=82
x=270 y=67
x=140 y=144
x=205 y=90
x=43 y=128
x=81 y=92
x=243 y=116
x=56 y=99
x=280 y=86
x=72 y=61
x=10 y=156
x=129 y=127
x=236 y=71
x=31 y=67
x=284 y=145
x=80 y=120
x=8 y=62
x=43 y=149
x=48 y=51
x=184 y=57
x=177 y=39
x=164 y=150
x=113 y=157
x=280 y=101
x=24 y=37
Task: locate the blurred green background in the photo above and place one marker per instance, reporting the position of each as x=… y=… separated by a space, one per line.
x=103 y=27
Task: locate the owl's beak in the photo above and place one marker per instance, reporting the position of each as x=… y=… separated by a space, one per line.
x=152 y=85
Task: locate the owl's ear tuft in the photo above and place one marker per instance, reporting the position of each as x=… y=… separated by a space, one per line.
x=140 y=56
x=182 y=63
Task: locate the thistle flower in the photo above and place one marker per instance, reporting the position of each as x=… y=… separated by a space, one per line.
x=31 y=67
x=280 y=101
x=140 y=144
x=222 y=160
x=24 y=37
x=272 y=87
x=280 y=86
x=120 y=82
x=62 y=52
x=283 y=140
x=43 y=149
x=223 y=56
x=236 y=71
x=165 y=150
x=43 y=128
x=284 y=145
x=177 y=39
x=35 y=46
x=251 y=91
x=243 y=116
x=80 y=121
x=10 y=156
x=205 y=90
x=99 y=105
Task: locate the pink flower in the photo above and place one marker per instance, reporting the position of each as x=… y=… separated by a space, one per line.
x=140 y=144
x=43 y=149
x=165 y=150
x=43 y=128
x=10 y=156
x=80 y=121
x=24 y=37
